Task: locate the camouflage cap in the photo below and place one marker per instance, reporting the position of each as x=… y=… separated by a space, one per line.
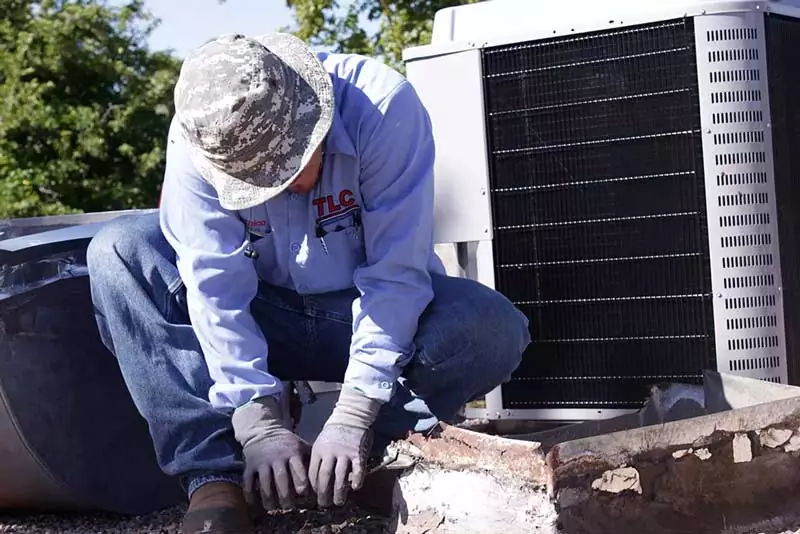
x=254 y=111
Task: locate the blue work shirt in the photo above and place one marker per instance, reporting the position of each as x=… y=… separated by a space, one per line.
x=368 y=224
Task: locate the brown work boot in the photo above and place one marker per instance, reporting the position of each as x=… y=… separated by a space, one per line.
x=217 y=508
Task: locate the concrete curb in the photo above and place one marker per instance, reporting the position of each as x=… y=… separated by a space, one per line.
x=730 y=472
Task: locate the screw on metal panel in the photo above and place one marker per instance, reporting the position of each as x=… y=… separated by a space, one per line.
x=719 y=295
x=708 y=130
x=498 y=415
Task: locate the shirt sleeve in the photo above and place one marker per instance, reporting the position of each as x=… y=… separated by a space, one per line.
x=394 y=283
x=209 y=242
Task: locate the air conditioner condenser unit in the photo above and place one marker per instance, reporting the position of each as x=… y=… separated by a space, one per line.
x=626 y=173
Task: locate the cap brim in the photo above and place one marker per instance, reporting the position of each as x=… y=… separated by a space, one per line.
x=311 y=122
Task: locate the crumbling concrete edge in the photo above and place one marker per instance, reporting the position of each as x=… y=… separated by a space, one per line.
x=723 y=472
x=468 y=482
x=454 y=448
x=617 y=449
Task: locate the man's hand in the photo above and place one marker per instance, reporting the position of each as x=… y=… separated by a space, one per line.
x=340 y=452
x=275 y=457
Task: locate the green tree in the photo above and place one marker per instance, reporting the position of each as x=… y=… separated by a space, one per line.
x=381 y=28
x=84 y=107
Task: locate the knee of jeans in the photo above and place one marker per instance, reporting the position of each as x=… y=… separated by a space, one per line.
x=117 y=244
x=492 y=329
x=101 y=252
x=506 y=332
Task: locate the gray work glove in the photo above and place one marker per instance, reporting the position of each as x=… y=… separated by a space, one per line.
x=275 y=457
x=340 y=452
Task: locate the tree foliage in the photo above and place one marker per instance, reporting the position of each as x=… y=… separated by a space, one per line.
x=84 y=107
x=382 y=28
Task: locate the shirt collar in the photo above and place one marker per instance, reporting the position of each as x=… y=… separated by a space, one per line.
x=338 y=140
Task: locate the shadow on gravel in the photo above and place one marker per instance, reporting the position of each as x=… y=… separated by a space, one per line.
x=347 y=520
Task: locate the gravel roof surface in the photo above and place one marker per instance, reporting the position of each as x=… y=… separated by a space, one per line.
x=348 y=520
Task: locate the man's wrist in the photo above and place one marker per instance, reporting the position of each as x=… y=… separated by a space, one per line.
x=354 y=409
x=258 y=417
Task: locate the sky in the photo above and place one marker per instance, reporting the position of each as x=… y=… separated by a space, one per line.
x=188 y=23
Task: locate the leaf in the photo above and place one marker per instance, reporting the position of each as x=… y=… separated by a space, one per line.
x=84 y=107
x=381 y=28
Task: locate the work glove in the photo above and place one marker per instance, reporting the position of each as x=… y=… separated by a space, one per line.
x=341 y=451
x=274 y=456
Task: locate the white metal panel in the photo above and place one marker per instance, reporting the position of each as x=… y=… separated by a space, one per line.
x=451 y=88
x=477 y=260
x=498 y=22
x=448 y=253
x=740 y=195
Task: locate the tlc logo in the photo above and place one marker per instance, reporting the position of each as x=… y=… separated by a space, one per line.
x=327 y=205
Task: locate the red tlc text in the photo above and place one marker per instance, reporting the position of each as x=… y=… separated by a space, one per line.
x=327 y=205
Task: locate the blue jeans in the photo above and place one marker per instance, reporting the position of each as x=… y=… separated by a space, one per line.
x=470 y=340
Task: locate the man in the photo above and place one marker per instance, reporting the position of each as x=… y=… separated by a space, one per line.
x=293 y=242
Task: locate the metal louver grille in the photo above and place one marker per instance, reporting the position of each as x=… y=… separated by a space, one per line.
x=598 y=205
x=783 y=55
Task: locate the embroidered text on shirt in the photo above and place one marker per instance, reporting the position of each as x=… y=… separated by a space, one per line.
x=327 y=205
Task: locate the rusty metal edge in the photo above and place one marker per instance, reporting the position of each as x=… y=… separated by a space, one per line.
x=454 y=448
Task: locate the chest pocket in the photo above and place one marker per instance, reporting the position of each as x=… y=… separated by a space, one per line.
x=261 y=239
x=340 y=237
